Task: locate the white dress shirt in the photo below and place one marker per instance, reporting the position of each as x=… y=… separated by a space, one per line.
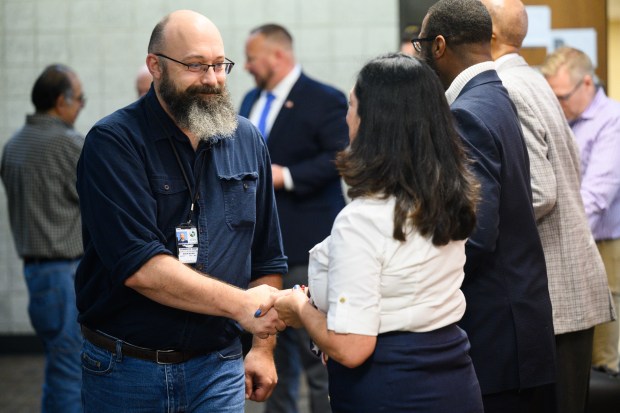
x=369 y=283
x=281 y=92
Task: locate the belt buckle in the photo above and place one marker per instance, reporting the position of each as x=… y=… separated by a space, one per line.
x=157 y=352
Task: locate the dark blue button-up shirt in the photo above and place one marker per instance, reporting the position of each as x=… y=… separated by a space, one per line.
x=133 y=195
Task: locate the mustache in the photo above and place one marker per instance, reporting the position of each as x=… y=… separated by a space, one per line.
x=212 y=90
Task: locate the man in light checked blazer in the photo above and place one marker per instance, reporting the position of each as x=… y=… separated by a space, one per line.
x=577 y=282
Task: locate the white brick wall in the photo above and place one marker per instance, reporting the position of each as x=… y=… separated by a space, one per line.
x=105 y=42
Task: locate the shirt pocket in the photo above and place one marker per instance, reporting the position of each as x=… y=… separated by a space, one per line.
x=240 y=199
x=173 y=202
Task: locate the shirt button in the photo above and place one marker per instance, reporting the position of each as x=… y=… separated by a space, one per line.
x=245 y=186
x=167 y=187
x=343 y=300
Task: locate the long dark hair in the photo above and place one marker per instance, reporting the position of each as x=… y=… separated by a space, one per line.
x=406 y=146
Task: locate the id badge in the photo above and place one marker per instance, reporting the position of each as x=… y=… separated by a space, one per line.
x=187 y=244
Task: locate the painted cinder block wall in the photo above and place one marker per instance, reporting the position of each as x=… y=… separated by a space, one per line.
x=105 y=42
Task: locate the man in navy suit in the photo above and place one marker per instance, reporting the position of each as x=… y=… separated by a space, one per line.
x=508 y=317
x=303 y=123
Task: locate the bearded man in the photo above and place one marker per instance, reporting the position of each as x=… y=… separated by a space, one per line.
x=161 y=319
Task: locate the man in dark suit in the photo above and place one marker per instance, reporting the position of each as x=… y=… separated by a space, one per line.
x=508 y=317
x=303 y=123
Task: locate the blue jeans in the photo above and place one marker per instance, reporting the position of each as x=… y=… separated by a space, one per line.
x=113 y=383
x=53 y=315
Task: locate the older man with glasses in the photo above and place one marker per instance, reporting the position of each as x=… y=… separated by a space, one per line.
x=38 y=172
x=595 y=121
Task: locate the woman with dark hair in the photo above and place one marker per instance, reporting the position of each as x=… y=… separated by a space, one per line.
x=385 y=285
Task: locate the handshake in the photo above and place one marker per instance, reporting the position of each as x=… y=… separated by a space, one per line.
x=273 y=309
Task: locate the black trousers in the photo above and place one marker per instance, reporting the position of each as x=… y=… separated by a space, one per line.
x=568 y=395
x=533 y=400
x=574 y=363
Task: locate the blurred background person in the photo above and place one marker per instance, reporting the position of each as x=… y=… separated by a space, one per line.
x=408 y=33
x=595 y=121
x=143 y=80
x=577 y=282
x=303 y=123
x=386 y=281
x=39 y=175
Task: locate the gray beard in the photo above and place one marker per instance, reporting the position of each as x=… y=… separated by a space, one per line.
x=211 y=125
x=211 y=118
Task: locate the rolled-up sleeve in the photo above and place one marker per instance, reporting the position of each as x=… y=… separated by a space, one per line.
x=354 y=274
x=119 y=212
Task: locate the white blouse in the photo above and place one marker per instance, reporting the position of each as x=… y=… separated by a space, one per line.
x=369 y=283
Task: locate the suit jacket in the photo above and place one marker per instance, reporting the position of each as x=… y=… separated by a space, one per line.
x=305 y=137
x=577 y=278
x=508 y=316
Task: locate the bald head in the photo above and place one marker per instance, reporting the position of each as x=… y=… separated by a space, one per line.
x=185 y=30
x=509 y=25
x=186 y=53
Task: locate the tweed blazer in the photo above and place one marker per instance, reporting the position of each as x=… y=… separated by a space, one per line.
x=577 y=282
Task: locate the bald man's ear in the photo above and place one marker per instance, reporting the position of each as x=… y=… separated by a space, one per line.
x=152 y=62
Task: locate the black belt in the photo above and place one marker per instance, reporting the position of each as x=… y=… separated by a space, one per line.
x=43 y=260
x=158 y=356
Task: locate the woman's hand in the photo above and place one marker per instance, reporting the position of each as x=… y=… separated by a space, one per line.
x=289 y=307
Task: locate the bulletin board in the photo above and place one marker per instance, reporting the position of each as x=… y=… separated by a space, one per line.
x=575 y=14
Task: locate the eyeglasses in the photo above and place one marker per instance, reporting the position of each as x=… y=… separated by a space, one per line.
x=218 y=68
x=567 y=96
x=416 y=42
x=81 y=99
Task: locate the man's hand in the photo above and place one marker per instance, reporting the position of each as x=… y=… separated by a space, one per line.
x=260 y=373
x=256 y=317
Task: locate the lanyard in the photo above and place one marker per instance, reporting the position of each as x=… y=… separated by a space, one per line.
x=193 y=194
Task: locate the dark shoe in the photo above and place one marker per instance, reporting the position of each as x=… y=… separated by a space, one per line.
x=606 y=370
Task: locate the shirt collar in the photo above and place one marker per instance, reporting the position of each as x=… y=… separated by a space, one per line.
x=43 y=119
x=465 y=76
x=500 y=60
x=594 y=106
x=282 y=89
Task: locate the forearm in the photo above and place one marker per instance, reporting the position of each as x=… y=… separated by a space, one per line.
x=350 y=350
x=169 y=282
